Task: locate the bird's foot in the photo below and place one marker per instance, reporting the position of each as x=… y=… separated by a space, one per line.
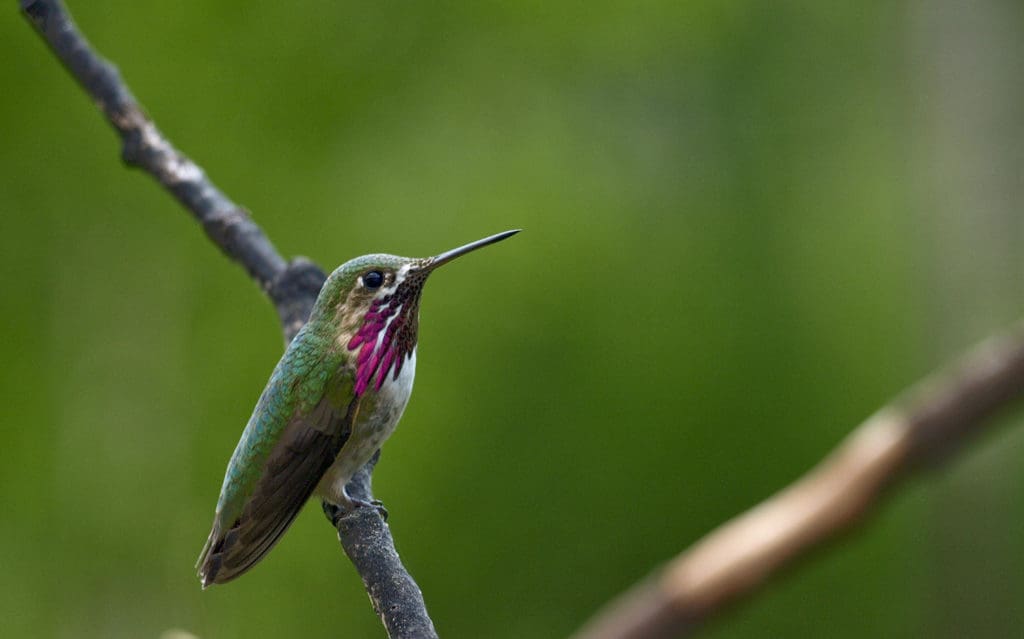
x=376 y=503
x=349 y=505
x=379 y=505
x=333 y=512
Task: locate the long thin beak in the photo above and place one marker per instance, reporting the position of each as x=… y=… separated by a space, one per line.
x=448 y=256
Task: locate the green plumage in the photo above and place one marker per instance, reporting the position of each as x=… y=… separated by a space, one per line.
x=290 y=401
x=295 y=387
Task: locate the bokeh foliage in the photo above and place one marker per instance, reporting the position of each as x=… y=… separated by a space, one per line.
x=747 y=226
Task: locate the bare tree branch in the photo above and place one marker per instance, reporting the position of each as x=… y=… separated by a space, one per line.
x=935 y=418
x=385 y=579
x=291 y=286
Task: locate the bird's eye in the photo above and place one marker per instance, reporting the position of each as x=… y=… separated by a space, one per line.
x=373 y=279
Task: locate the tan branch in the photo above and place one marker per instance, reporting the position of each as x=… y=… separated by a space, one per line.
x=935 y=418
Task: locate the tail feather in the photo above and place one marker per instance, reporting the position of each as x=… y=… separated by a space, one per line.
x=212 y=555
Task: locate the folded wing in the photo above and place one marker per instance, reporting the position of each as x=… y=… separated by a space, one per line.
x=306 y=449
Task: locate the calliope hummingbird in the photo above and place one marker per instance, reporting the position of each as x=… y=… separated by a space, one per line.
x=333 y=399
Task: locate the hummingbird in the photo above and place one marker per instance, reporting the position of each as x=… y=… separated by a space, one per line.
x=332 y=400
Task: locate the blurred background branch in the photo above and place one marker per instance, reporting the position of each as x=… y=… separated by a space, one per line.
x=292 y=287
x=936 y=418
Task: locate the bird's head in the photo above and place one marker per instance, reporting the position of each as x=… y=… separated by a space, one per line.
x=372 y=304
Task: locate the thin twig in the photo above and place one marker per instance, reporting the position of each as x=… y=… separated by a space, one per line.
x=732 y=562
x=291 y=286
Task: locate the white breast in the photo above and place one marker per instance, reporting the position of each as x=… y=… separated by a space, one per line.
x=395 y=393
x=369 y=432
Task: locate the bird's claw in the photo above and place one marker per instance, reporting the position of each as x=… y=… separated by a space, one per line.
x=335 y=512
x=379 y=505
x=375 y=503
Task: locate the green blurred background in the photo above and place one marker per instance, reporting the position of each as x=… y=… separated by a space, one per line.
x=746 y=227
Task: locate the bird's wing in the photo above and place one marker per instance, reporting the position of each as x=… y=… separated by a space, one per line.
x=298 y=460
